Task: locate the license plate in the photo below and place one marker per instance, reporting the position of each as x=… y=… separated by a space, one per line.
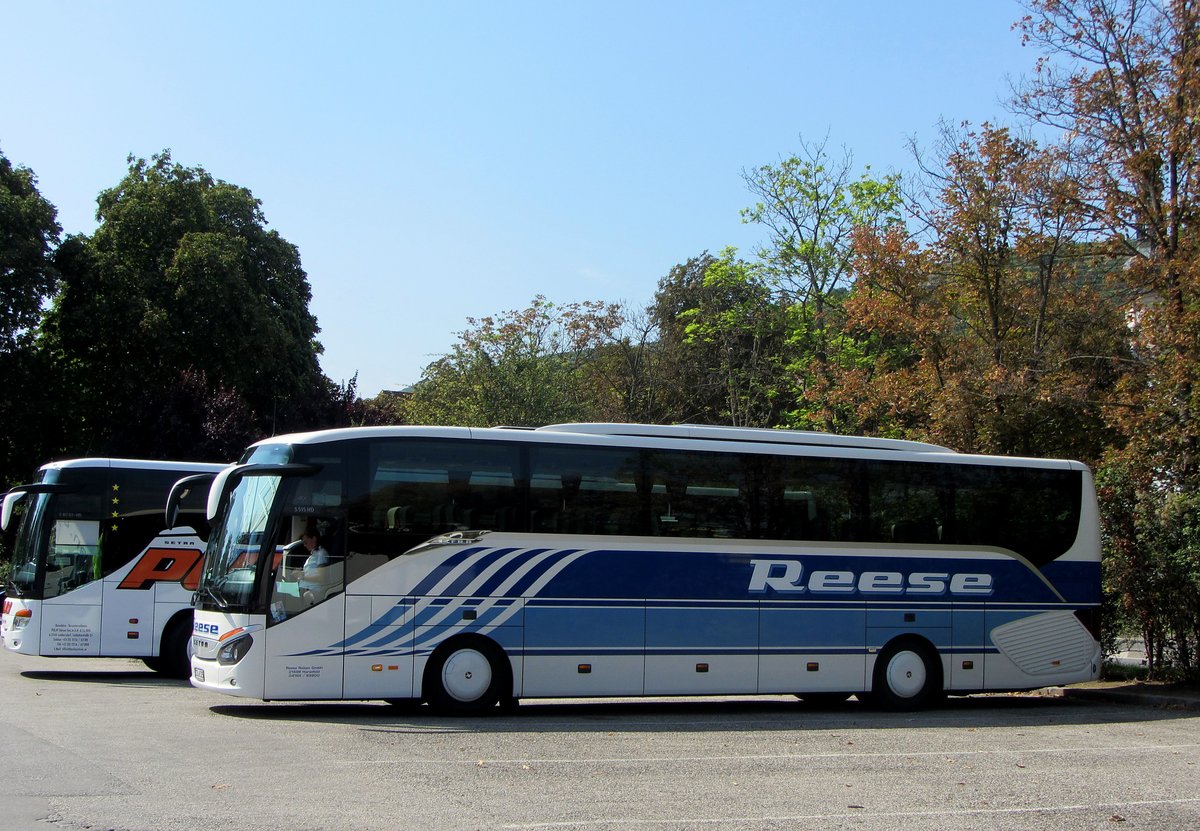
x=198 y=672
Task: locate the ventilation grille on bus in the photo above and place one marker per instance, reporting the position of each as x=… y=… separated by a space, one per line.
x=1046 y=644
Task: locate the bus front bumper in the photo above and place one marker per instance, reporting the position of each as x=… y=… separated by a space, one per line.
x=212 y=676
x=21 y=626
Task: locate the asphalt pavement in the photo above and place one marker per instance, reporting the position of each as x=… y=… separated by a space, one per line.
x=104 y=745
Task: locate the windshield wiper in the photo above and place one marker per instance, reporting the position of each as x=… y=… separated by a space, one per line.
x=211 y=592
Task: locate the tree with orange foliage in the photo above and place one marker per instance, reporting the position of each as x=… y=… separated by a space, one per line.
x=1121 y=80
x=988 y=328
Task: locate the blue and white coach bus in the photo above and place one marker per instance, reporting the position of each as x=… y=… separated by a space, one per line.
x=470 y=567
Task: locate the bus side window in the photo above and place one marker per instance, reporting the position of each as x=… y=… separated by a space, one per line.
x=587 y=490
x=309 y=565
x=908 y=503
x=134 y=513
x=701 y=494
x=416 y=489
x=74 y=555
x=78 y=534
x=811 y=498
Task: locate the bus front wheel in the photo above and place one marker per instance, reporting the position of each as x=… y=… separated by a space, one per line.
x=908 y=676
x=467 y=677
x=175 y=650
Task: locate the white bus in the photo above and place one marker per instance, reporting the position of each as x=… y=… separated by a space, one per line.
x=93 y=573
x=470 y=567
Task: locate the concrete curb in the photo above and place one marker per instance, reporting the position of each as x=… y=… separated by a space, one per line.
x=1130 y=695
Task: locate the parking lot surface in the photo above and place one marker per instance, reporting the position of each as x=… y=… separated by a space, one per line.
x=105 y=744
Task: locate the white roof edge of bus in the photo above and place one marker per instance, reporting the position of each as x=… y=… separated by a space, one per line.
x=695 y=432
x=133 y=464
x=912 y=450
x=337 y=433
x=759 y=435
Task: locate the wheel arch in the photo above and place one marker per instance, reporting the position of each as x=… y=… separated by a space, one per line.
x=181 y=617
x=935 y=663
x=466 y=640
x=176 y=631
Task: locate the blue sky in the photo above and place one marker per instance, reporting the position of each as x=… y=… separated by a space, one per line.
x=440 y=161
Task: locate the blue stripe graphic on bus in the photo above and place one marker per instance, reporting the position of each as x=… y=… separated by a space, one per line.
x=492 y=586
x=531 y=568
x=437 y=574
x=577 y=606
x=525 y=585
x=482 y=562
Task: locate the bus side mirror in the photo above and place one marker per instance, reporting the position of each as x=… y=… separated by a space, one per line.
x=227 y=480
x=10 y=501
x=14 y=496
x=178 y=491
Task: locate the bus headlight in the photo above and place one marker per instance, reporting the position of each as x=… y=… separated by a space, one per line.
x=21 y=619
x=235 y=650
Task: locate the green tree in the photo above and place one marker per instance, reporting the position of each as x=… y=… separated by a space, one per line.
x=181 y=274
x=524 y=368
x=28 y=234
x=627 y=371
x=737 y=330
x=687 y=394
x=811 y=204
x=29 y=231
x=720 y=341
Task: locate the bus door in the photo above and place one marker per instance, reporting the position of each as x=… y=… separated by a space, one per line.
x=71 y=610
x=306 y=618
x=128 y=621
x=304 y=657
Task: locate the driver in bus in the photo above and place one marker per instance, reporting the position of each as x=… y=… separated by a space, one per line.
x=303 y=570
x=321 y=575
x=318 y=557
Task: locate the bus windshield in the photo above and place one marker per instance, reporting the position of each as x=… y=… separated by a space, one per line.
x=23 y=580
x=58 y=544
x=237 y=543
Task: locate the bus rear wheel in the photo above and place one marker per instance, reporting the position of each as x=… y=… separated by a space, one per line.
x=908 y=676
x=467 y=677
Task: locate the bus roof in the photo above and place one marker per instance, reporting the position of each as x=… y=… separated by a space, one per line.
x=132 y=464
x=753 y=435
x=702 y=436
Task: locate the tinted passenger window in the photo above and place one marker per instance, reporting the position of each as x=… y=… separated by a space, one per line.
x=699 y=495
x=134 y=505
x=418 y=489
x=588 y=490
x=909 y=503
x=814 y=499
x=1032 y=512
